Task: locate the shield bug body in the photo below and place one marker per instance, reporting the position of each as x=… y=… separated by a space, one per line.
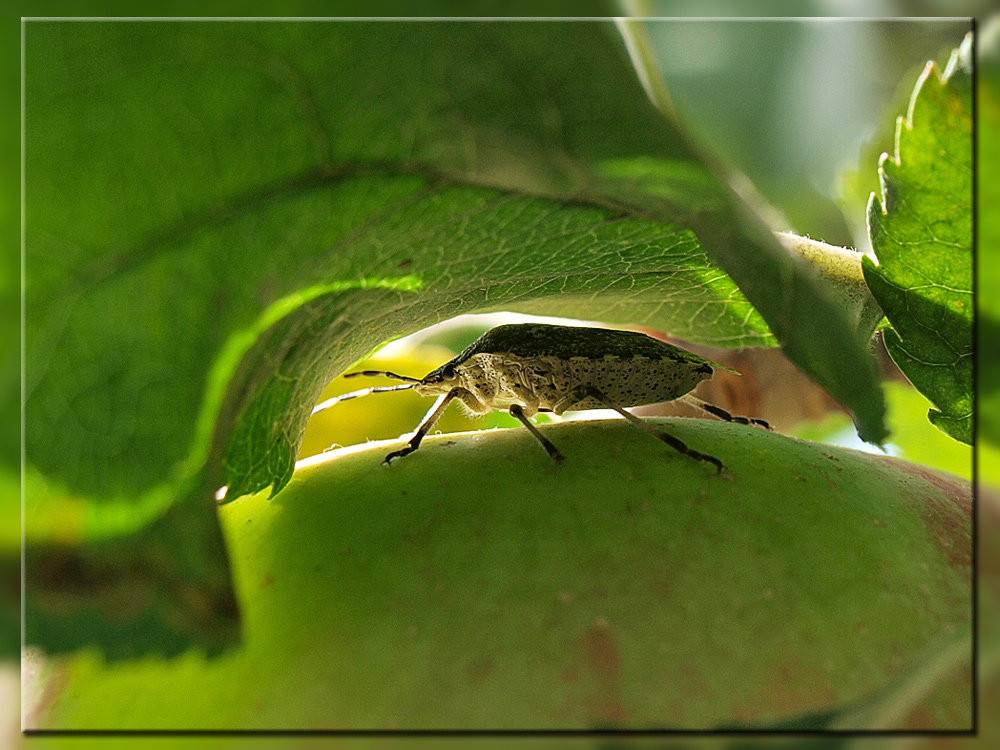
x=530 y=367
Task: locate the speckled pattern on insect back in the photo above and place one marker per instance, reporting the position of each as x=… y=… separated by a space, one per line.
x=504 y=379
x=541 y=366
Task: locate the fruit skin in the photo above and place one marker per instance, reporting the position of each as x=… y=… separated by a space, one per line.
x=474 y=584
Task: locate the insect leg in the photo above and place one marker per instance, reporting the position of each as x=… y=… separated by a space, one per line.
x=432 y=416
x=517 y=412
x=678 y=445
x=722 y=413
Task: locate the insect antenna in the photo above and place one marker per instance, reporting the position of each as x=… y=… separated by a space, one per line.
x=363 y=392
x=381 y=374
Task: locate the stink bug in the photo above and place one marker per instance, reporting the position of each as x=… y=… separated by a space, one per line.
x=531 y=367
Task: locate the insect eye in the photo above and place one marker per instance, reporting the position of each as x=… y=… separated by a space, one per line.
x=448 y=372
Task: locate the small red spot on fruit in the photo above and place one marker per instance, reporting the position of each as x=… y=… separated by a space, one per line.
x=601 y=653
x=479 y=669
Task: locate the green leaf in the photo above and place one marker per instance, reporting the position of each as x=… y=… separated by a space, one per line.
x=921 y=231
x=220 y=217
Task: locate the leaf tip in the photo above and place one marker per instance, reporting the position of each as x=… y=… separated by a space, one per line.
x=957 y=428
x=876 y=436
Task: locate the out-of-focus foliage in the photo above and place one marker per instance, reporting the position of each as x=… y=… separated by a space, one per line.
x=913 y=438
x=790 y=102
x=916 y=439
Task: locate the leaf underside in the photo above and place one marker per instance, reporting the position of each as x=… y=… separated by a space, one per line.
x=921 y=231
x=221 y=217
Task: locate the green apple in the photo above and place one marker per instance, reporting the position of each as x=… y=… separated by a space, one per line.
x=475 y=584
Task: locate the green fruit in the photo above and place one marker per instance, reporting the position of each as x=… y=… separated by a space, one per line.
x=475 y=584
